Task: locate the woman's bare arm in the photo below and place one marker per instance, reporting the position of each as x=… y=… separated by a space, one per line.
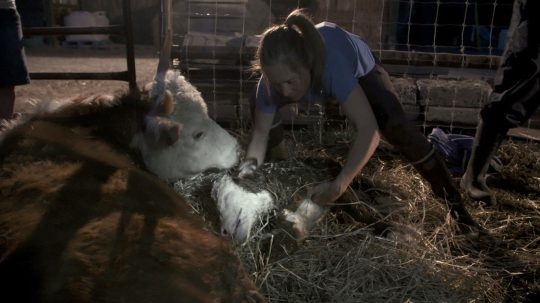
x=359 y=112
x=259 y=136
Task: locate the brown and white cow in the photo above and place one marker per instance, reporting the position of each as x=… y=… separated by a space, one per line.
x=81 y=220
x=175 y=139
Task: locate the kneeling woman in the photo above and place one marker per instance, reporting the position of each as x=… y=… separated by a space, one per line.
x=303 y=62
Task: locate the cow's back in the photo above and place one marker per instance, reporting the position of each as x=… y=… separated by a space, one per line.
x=80 y=222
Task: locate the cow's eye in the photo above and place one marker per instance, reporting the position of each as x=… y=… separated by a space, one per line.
x=198 y=135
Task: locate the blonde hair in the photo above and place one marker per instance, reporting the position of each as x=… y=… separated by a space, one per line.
x=294 y=43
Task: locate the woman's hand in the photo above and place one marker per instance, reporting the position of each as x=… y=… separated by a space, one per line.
x=327 y=192
x=247 y=168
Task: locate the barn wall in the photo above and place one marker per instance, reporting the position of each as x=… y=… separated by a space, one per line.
x=434 y=101
x=143 y=14
x=361 y=17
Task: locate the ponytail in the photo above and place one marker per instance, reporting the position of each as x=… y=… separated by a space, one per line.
x=295 y=43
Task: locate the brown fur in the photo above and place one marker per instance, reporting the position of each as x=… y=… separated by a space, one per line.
x=115 y=119
x=80 y=223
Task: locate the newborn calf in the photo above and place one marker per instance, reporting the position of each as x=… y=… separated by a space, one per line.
x=248 y=206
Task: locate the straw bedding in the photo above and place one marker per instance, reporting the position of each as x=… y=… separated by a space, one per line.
x=388 y=239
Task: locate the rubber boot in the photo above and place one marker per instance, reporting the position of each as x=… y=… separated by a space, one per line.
x=486 y=143
x=433 y=169
x=276 y=148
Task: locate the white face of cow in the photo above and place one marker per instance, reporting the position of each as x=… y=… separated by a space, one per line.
x=180 y=139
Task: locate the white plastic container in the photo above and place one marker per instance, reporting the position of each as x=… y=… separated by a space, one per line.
x=100 y=19
x=86 y=19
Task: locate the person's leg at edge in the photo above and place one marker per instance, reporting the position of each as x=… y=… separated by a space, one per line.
x=13 y=70
x=7 y=101
x=515 y=98
x=505 y=110
x=486 y=142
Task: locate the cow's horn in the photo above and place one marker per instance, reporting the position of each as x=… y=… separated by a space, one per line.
x=158 y=88
x=166 y=44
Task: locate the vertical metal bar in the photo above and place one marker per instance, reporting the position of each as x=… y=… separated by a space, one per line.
x=48 y=12
x=130 y=54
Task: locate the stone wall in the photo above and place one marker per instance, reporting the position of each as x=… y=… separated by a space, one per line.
x=447 y=102
x=440 y=101
x=451 y=102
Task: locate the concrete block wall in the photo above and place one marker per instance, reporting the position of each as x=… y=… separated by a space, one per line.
x=441 y=101
x=452 y=93
x=451 y=101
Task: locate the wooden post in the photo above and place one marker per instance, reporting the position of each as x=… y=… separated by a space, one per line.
x=130 y=54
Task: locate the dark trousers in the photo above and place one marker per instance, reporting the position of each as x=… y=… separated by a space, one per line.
x=410 y=141
x=515 y=96
x=391 y=119
x=13 y=69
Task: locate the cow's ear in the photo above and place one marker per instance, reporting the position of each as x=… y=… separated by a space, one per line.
x=169 y=133
x=162 y=131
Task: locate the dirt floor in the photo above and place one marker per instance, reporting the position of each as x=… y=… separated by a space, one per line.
x=59 y=59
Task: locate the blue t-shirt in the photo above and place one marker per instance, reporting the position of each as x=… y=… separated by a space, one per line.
x=348 y=58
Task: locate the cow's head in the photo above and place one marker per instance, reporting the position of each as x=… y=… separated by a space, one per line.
x=179 y=139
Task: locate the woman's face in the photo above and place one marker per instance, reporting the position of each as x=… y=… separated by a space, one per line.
x=292 y=84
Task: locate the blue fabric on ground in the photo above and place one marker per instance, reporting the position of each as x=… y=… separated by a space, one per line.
x=456 y=150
